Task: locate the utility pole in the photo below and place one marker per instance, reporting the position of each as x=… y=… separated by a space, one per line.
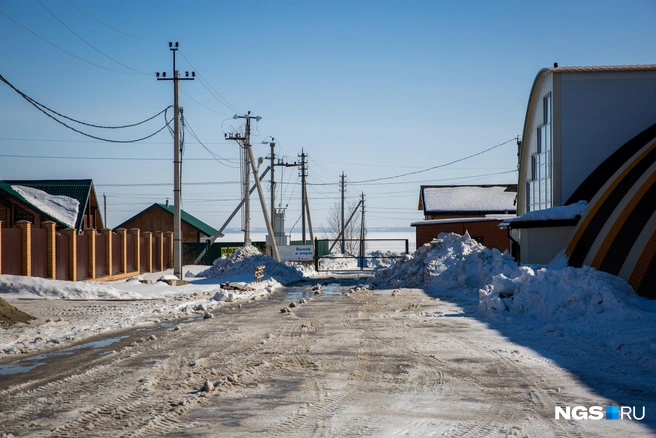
x=303 y=193
x=249 y=158
x=272 y=143
x=245 y=143
x=105 y=209
x=362 y=249
x=342 y=187
x=177 y=163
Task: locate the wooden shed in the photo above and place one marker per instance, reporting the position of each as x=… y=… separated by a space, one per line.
x=159 y=217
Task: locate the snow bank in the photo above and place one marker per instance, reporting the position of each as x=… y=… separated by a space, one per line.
x=45 y=288
x=62 y=208
x=449 y=261
x=242 y=263
x=569 y=294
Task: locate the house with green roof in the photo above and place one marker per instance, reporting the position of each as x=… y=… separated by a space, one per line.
x=159 y=217
x=70 y=203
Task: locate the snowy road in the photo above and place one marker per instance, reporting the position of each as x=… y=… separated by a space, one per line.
x=372 y=363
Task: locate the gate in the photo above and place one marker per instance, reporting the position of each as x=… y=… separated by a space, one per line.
x=359 y=254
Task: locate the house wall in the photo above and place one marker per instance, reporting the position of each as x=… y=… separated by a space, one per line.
x=8 y=207
x=486 y=232
x=540 y=245
x=534 y=118
x=157 y=219
x=600 y=111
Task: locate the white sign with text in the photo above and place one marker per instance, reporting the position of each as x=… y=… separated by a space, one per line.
x=296 y=253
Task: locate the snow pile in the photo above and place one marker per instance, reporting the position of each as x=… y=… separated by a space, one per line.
x=339 y=262
x=45 y=288
x=569 y=294
x=62 y=208
x=242 y=263
x=449 y=261
x=382 y=259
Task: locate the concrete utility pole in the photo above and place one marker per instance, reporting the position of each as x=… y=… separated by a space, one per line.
x=177 y=163
x=303 y=193
x=342 y=187
x=362 y=248
x=245 y=143
x=272 y=143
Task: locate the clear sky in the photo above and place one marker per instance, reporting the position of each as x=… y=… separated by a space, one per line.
x=373 y=89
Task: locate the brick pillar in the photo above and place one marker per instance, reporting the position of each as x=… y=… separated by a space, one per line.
x=72 y=252
x=26 y=247
x=92 y=251
x=137 y=249
x=108 y=250
x=169 y=248
x=122 y=232
x=148 y=247
x=159 y=242
x=50 y=227
x=0 y=247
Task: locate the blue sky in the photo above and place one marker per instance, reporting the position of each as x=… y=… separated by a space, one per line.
x=371 y=88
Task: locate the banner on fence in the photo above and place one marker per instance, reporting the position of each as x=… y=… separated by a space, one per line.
x=296 y=253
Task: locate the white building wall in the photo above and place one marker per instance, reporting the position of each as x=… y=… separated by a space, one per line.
x=600 y=111
x=540 y=245
x=534 y=118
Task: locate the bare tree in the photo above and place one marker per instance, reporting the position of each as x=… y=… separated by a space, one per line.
x=351 y=231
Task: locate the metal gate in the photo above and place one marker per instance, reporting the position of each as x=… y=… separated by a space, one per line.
x=359 y=254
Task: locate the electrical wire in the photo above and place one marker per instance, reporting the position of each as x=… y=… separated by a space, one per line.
x=38 y=106
x=435 y=167
x=107 y=25
x=206 y=84
x=217 y=157
x=88 y=43
x=64 y=50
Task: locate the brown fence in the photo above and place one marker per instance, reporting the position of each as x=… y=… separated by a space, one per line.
x=65 y=255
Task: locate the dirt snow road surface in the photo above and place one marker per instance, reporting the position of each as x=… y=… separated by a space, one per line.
x=366 y=363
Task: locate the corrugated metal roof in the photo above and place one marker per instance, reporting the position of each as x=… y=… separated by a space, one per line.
x=605 y=68
x=78 y=189
x=191 y=220
x=462 y=199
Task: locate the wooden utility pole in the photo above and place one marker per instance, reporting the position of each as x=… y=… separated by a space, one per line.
x=177 y=163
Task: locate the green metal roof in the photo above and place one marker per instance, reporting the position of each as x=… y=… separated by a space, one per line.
x=78 y=189
x=191 y=220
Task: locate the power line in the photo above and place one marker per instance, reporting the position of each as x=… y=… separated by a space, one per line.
x=436 y=167
x=107 y=25
x=40 y=107
x=91 y=141
x=88 y=43
x=217 y=157
x=64 y=50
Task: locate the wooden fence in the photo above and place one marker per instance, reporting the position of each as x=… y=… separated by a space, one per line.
x=66 y=255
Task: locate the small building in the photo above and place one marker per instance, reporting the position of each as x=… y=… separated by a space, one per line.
x=70 y=203
x=476 y=209
x=159 y=217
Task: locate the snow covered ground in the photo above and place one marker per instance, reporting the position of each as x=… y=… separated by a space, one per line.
x=559 y=301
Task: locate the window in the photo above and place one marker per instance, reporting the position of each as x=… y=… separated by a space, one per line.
x=22 y=215
x=538 y=193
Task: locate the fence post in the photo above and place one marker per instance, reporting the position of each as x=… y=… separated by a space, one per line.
x=159 y=242
x=169 y=248
x=26 y=247
x=0 y=247
x=91 y=232
x=122 y=232
x=50 y=227
x=148 y=247
x=72 y=252
x=316 y=254
x=137 y=249
x=108 y=250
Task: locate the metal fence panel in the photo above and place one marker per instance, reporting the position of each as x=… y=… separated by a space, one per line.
x=11 y=251
x=82 y=256
x=62 y=257
x=116 y=254
x=101 y=257
x=131 y=263
x=39 y=252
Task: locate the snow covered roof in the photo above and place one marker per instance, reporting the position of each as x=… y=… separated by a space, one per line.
x=61 y=208
x=468 y=199
x=80 y=190
x=562 y=213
